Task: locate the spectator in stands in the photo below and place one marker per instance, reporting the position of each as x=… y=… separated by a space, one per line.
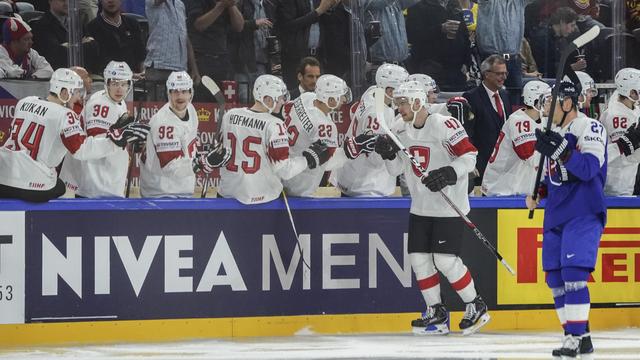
x=529 y=66
x=260 y=36
x=335 y=25
x=299 y=32
x=209 y=22
x=392 y=47
x=168 y=46
x=51 y=35
x=490 y=104
x=17 y=59
x=440 y=43
x=308 y=73
x=118 y=37
x=500 y=31
x=469 y=14
x=547 y=43
x=242 y=46
x=87 y=11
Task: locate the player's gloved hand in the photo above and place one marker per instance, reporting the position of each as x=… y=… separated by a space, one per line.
x=386 y=147
x=361 y=144
x=460 y=109
x=317 y=154
x=629 y=142
x=206 y=161
x=438 y=179
x=123 y=121
x=132 y=133
x=552 y=145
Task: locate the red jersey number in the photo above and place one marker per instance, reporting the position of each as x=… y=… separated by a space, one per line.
x=31 y=139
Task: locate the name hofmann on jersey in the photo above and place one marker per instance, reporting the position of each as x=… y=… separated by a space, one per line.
x=240 y=120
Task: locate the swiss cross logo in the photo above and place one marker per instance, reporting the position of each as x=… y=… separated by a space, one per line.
x=230 y=91
x=421 y=153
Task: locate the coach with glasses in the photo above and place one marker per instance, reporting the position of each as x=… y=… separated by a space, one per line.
x=490 y=104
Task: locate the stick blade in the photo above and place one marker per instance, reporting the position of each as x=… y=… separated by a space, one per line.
x=210 y=84
x=587 y=36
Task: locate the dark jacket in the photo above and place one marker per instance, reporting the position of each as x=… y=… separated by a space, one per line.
x=49 y=34
x=485 y=128
x=242 y=49
x=431 y=52
x=120 y=44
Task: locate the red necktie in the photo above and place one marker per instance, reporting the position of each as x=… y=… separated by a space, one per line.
x=499 y=106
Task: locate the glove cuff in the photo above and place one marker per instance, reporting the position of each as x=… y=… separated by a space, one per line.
x=312 y=158
x=351 y=148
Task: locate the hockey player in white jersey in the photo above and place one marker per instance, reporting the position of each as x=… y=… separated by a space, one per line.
x=259 y=143
x=43 y=131
x=621 y=122
x=442 y=147
x=171 y=157
x=512 y=166
x=431 y=87
x=368 y=175
x=308 y=121
x=104 y=177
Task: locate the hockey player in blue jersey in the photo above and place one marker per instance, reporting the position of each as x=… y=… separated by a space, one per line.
x=575 y=214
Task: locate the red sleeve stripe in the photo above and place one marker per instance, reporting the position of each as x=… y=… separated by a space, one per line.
x=464 y=281
x=428 y=283
x=462 y=147
x=165 y=157
x=278 y=154
x=73 y=142
x=525 y=151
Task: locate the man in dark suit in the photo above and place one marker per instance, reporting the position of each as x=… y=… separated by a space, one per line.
x=308 y=72
x=490 y=104
x=50 y=38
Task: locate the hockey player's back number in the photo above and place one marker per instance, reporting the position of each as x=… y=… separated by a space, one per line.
x=31 y=138
x=250 y=154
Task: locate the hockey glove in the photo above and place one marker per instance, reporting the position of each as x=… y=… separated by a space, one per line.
x=630 y=140
x=552 y=145
x=440 y=178
x=460 y=109
x=123 y=121
x=386 y=147
x=132 y=133
x=210 y=159
x=317 y=154
x=361 y=144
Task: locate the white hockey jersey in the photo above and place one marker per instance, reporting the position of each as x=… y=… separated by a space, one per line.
x=103 y=177
x=306 y=124
x=260 y=157
x=442 y=141
x=42 y=132
x=512 y=167
x=166 y=169
x=366 y=175
x=621 y=169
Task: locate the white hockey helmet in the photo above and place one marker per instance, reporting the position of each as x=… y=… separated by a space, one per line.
x=64 y=78
x=272 y=86
x=426 y=81
x=533 y=90
x=587 y=83
x=119 y=71
x=627 y=80
x=179 y=80
x=411 y=91
x=332 y=87
x=391 y=75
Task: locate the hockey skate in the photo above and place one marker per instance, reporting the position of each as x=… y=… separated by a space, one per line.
x=572 y=346
x=434 y=321
x=475 y=316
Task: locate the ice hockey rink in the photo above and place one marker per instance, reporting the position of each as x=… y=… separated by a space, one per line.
x=618 y=345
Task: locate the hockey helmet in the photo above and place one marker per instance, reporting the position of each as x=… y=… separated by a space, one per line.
x=532 y=91
x=426 y=80
x=627 y=80
x=118 y=71
x=272 y=86
x=409 y=92
x=64 y=78
x=391 y=75
x=332 y=87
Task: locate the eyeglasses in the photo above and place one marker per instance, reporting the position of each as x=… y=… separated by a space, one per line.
x=500 y=73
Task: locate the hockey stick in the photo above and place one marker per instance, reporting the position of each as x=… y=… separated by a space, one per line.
x=132 y=160
x=215 y=91
x=295 y=231
x=379 y=99
x=570 y=48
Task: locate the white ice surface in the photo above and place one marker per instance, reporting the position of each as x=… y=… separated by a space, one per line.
x=618 y=345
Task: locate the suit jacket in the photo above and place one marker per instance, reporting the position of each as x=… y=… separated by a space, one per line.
x=485 y=128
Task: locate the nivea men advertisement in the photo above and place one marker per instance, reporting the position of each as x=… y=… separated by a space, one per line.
x=151 y=264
